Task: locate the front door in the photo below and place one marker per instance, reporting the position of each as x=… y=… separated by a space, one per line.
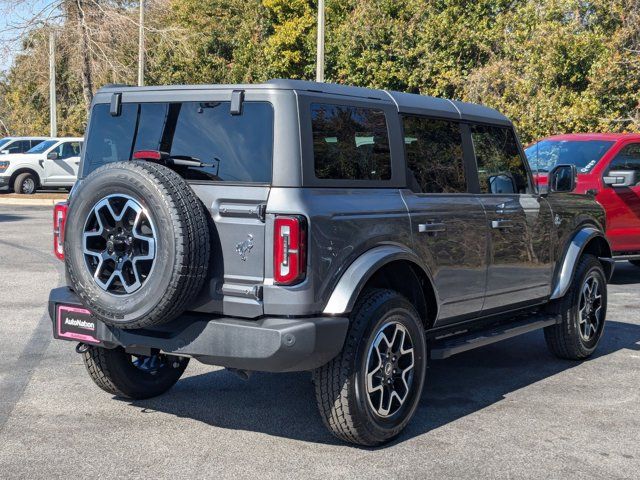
x=63 y=169
x=448 y=223
x=622 y=204
x=519 y=221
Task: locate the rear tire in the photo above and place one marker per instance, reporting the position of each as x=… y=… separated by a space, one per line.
x=115 y=372
x=355 y=391
x=583 y=310
x=25 y=183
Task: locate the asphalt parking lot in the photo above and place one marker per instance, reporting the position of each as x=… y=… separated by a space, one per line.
x=510 y=410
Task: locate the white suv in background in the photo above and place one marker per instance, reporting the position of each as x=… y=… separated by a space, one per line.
x=51 y=163
x=9 y=145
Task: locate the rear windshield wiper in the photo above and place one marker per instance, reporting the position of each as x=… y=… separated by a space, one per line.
x=187 y=161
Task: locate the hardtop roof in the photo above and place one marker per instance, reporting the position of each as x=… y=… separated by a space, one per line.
x=405 y=102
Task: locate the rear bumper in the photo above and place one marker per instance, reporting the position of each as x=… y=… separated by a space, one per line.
x=270 y=344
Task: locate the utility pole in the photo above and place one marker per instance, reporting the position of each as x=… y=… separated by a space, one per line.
x=53 y=111
x=141 y=46
x=320 y=51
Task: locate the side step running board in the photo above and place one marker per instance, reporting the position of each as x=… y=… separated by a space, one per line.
x=444 y=347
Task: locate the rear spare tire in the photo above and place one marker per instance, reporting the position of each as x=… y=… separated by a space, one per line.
x=136 y=244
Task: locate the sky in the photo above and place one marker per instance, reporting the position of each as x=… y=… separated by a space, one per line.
x=11 y=14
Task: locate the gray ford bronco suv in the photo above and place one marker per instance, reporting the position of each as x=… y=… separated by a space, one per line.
x=294 y=226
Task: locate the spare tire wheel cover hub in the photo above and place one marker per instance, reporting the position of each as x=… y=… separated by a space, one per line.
x=119 y=244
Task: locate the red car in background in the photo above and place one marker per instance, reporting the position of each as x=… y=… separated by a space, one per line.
x=608 y=167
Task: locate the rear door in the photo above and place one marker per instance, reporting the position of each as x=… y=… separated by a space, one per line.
x=448 y=222
x=622 y=204
x=518 y=220
x=226 y=158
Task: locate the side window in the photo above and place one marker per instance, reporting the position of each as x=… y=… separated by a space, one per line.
x=350 y=143
x=20 y=146
x=501 y=169
x=70 y=149
x=59 y=150
x=434 y=155
x=627 y=159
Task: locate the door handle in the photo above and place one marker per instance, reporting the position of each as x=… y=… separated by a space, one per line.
x=502 y=224
x=431 y=227
x=505 y=208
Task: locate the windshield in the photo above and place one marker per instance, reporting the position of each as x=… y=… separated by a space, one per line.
x=4 y=141
x=545 y=155
x=41 y=147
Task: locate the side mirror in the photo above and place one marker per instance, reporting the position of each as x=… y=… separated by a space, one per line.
x=620 y=178
x=52 y=156
x=502 y=183
x=4 y=152
x=562 y=179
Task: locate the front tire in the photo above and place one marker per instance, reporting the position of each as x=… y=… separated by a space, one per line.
x=370 y=391
x=583 y=310
x=132 y=376
x=25 y=183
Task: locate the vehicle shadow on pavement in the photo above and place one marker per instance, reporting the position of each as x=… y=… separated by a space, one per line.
x=11 y=217
x=283 y=405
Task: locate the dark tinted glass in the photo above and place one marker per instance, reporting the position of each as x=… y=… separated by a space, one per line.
x=109 y=137
x=20 y=146
x=236 y=148
x=68 y=150
x=501 y=169
x=627 y=159
x=434 y=155
x=350 y=143
x=546 y=154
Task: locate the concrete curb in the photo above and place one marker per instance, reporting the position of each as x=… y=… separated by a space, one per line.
x=34 y=202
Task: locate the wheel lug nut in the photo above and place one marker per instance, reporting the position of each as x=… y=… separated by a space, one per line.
x=388 y=380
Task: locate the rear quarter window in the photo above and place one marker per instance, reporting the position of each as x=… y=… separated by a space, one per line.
x=233 y=148
x=350 y=143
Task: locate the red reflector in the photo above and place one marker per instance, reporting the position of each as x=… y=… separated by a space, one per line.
x=147 y=155
x=290 y=247
x=59 y=221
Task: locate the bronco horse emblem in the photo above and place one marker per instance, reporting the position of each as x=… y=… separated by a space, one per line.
x=244 y=248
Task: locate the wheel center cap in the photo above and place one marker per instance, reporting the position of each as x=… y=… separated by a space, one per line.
x=388 y=368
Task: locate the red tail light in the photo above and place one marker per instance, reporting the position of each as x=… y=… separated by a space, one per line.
x=150 y=155
x=59 y=220
x=290 y=248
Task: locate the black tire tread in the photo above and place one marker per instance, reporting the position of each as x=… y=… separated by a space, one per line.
x=563 y=339
x=333 y=380
x=192 y=247
x=98 y=368
x=99 y=362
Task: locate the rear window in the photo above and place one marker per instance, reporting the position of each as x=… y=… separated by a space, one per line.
x=350 y=143
x=233 y=148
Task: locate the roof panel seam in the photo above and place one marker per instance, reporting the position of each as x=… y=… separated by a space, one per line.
x=393 y=100
x=456 y=107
